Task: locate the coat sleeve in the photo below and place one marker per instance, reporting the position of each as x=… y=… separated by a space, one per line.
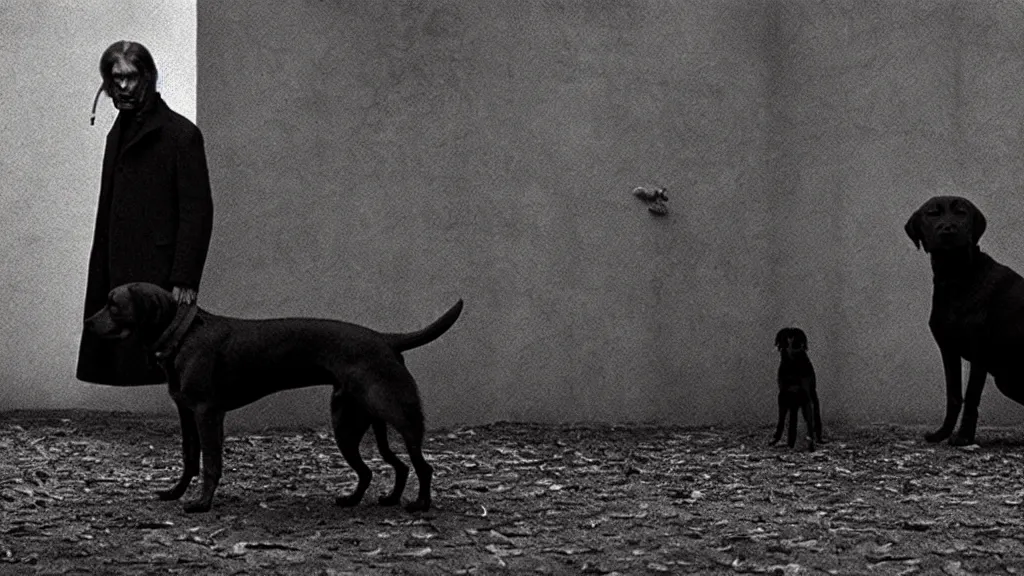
x=195 y=212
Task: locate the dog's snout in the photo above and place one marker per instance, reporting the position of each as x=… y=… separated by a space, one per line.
x=949 y=231
x=91 y=323
x=102 y=324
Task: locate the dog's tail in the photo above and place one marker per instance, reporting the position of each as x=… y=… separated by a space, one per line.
x=401 y=342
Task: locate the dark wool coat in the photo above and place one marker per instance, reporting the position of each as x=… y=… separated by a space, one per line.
x=153 y=225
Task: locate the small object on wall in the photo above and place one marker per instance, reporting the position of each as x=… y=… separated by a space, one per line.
x=654 y=197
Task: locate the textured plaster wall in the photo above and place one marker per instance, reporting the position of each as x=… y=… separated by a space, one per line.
x=374 y=161
x=50 y=161
x=874 y=107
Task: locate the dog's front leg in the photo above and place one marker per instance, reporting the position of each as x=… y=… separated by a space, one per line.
x=794 y=414
x=954 y=395
x=210 y=425
x=189 y=454
x=969 y=422
x=782 y=421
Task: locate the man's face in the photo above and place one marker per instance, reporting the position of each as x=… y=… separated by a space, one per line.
x=128 y=87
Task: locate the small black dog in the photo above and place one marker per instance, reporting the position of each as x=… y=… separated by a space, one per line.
x=797 y=387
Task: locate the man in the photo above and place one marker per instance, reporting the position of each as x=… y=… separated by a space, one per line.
x=155 y=210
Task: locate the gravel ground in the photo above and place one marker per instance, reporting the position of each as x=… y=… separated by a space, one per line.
x=76 y=494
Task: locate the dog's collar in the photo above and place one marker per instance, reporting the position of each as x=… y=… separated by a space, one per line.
x=168 y=342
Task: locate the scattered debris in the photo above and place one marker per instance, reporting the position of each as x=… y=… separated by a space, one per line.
x=655 y=197
x=76 y=495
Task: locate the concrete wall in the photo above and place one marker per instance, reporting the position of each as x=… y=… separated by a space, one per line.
x=50 y=179
x=874 y=107
x=376 y=160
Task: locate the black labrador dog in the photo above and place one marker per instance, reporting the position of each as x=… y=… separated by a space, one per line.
x=977 y=311
x=797 y=388
x=215 y=364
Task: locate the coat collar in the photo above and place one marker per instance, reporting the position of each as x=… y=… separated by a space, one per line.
x=154 y=116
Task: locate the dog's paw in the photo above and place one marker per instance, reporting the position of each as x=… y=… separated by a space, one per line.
x=197 y=506
x=347 y=501
x=390 y=500
x=418 y=506
x=958 y=440
x=171 y=494
x=938 y=436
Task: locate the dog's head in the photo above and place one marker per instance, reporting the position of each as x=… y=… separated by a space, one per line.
x=137 y=308
x=945 y=222
x=791 y=341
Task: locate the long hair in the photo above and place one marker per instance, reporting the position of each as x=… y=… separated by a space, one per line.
x=131 y=52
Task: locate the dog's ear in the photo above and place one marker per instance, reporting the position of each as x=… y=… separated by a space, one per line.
x=140 y=305
x=977 y=222
x=151 y=307
x=913 y=230
x=802 y=340
x=780 y=338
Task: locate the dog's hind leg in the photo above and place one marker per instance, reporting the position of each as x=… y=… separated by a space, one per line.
x=380 y=431
x=189 y=455
x=401 y=408
x=210 y=426
x=414 y=443
x=1011 y=385
x=817 y=417
x=350 y=424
